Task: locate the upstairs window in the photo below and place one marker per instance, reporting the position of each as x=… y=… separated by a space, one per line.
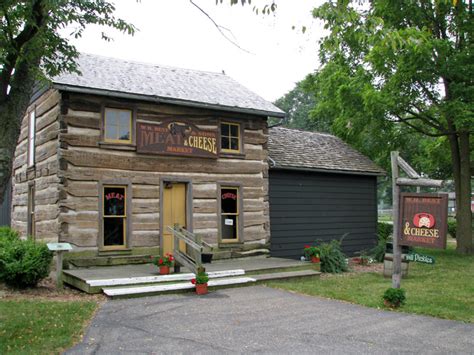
x=118 y=126
x=31 y=138
x=230 y=137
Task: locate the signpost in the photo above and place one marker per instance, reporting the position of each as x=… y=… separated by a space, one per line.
x=418 y=219
x=60 y=249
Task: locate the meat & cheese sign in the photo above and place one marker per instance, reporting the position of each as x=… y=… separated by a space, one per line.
x=423 y=220
x=176 y=138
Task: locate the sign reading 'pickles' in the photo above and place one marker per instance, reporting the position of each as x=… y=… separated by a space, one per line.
x=176 y=138
x=423 y=220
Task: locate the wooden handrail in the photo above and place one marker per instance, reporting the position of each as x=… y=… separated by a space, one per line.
x=191 y=257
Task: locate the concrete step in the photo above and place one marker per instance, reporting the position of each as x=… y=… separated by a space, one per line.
x=160 y=278
x=150 y=290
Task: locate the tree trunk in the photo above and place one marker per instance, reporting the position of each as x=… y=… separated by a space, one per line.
x=459 y=145
x=464 y=232
x=11 y=113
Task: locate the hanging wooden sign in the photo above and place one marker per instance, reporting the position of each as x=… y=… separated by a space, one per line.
x=423 y=220
x=177 y=137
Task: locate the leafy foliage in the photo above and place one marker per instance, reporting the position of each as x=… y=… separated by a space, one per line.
x=201 y=278
x=396 y=69
x=166 y=260
x=395 y=296
x=452 y=227
x=310 y=250
x=333 y=259
x=23 y=263
x=384 y=232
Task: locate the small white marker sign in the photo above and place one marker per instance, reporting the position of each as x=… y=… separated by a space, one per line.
x=229 y=222
x=59 y=246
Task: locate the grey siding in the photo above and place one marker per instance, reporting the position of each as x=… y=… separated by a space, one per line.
x=5 y=207
x=306 y=207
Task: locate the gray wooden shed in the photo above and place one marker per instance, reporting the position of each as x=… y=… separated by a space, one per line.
x=319 y=189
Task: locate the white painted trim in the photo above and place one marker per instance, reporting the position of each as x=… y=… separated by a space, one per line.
x=173 y=287
x=160 y=278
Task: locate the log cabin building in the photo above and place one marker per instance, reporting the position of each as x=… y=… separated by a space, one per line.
x=108 y=158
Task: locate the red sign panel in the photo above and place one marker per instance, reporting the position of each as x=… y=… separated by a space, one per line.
x=423 y=220
x=176 y=138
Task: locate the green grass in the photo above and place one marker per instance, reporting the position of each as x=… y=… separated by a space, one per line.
x=444 y=290
x=41 y=327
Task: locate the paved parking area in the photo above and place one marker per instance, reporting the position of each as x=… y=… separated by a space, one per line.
x=265 y=320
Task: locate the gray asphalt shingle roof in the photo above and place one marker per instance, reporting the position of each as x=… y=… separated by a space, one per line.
x=163 y=84
x=291 y=148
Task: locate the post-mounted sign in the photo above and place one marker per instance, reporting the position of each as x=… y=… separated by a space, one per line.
x=423 y=220
x=176 y=137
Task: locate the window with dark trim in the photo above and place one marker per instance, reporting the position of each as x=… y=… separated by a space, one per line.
x=114 y=216
x=118 y=125
x=31 y=212
x=229 y=206
x=230 y=137
x=31 y=138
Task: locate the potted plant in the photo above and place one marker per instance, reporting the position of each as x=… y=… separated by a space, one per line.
x=363 y=258
x=313 y=253
x=201 y=282
x=394 y=297
x=164 y=263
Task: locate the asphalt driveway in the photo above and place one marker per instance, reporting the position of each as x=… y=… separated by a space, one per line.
x=265 y=320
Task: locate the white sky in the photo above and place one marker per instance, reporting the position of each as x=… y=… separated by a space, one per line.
x=175 y=33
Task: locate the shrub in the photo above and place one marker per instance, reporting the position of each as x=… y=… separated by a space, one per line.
x=384 y=232
x=333 y=259
x=23 y=263
x=452 y=227
x=394 y=297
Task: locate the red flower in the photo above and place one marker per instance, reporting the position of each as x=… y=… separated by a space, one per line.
x=307 y=246
x=193 y=281
x=160 y=261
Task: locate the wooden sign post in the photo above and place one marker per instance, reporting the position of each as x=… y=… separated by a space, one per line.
x=420 y=213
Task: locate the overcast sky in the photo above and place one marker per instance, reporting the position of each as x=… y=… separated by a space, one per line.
x=175 y=33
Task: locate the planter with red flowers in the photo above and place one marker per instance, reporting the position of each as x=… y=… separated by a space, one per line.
x=164 y=263
x=201 y=282
x=312 y=253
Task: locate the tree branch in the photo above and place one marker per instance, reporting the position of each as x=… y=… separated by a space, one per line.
x=220 y=28
x=429 y=134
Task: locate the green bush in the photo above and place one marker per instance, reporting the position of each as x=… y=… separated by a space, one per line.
x=452 y=227
x=23 y=263
x=394 y=297
x=333 y=259
x=384 y=232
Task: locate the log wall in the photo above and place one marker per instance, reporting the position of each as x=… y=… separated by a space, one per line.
x=85 y=161
x=43 y=175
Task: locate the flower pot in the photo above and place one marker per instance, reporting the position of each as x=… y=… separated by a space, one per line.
x=315 y=259
x=164 y=270
x=206 y=258
x=201 y=289
x=389 y=304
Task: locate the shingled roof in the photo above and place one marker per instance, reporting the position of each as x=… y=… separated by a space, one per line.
x=122 y=78
x=296 y=149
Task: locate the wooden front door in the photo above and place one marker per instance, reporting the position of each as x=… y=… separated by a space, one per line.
x=174 y=211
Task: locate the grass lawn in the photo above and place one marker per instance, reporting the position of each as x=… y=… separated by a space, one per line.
x=444 y=290
x=42 y=327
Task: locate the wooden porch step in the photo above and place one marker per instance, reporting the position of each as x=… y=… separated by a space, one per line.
x=169 y=288
x=160 y=278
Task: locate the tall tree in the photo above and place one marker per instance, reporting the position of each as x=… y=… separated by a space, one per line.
x=298 y=103
x=32 y=48
x=404 y=61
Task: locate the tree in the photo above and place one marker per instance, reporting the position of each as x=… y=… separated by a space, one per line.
x=298 y=103
x=408 y=63
x=32 y=48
